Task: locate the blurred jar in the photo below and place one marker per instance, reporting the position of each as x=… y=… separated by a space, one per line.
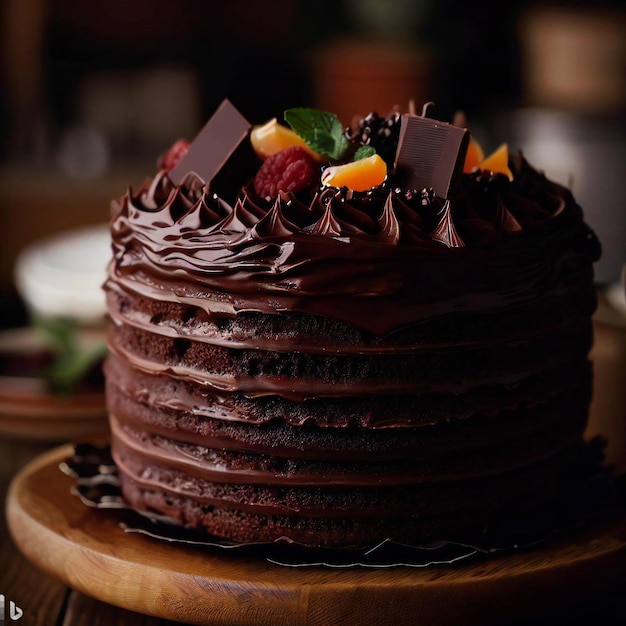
x=608 y=414
x=573 y=126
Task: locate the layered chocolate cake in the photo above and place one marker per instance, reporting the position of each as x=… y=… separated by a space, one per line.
x=341 y=336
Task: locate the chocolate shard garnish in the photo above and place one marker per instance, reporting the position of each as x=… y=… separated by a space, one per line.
x=213 y=146
x=430 y=154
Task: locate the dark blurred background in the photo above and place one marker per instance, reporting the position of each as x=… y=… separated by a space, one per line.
x=93 y=92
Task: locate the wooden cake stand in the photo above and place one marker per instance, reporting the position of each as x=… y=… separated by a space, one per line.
x=88 y=550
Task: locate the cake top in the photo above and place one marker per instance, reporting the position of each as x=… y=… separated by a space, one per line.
x=313 y=217
x=403 y=178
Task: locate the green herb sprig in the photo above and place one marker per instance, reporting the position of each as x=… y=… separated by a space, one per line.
x=364 y=152
x=72 y=361
x=322 y=131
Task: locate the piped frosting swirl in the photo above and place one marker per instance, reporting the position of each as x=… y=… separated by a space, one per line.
x=363 y=258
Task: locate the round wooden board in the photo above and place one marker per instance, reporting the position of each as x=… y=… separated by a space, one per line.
x=87 y=549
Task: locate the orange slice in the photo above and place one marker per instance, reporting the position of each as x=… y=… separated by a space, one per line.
x=359 y=175
x=272 y=137
x=473 y=157
x=498 y=161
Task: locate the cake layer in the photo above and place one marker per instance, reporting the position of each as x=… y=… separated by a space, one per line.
x=297 y=375
x=220 y=465
x=148 y=311
x=511 y=506
x=161 y=393
x=338 y=501
x=417 y=426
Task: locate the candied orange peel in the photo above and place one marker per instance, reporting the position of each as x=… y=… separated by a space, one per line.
x=473 y=157
x=359 y=175
x=497 y=162
x=269 y=138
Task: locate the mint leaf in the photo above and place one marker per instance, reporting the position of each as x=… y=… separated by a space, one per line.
x=72 y=361
x=363 y=152
x=58 y=332
x=70 y=368
x=322 y=131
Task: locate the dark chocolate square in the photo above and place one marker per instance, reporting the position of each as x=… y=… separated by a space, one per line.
x=430 y=154
x=213 y=146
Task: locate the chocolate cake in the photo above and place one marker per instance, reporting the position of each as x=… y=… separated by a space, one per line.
x=304 y=347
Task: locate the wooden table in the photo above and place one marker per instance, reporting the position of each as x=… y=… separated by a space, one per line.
x=44 y=600
x=47 y=601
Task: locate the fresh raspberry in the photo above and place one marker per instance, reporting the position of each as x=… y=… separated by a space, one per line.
x=168 y=160
x=291 y=169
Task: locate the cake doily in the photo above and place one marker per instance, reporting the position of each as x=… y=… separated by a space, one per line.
x=98 y=486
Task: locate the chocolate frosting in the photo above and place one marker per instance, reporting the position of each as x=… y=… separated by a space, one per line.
x=377 y=260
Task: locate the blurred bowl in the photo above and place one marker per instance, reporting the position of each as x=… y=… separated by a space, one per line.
x=62 y=275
